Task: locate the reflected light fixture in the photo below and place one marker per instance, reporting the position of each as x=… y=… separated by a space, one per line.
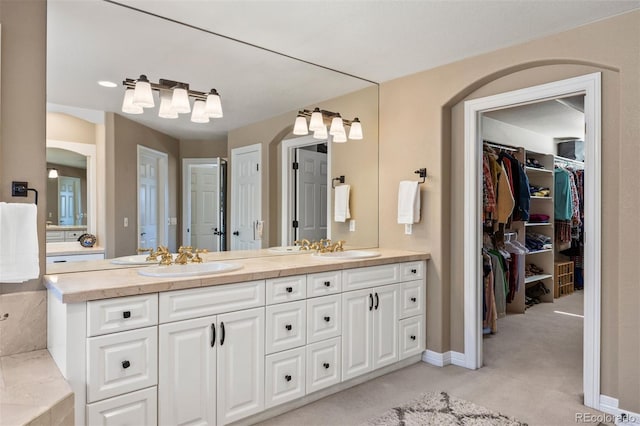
x=53 y=173
x=175 y=98
x=317 y=125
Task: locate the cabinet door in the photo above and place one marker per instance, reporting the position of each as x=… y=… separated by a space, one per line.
x=357 y=333
x=240 y=364
x=385 y=325
x=187 y=373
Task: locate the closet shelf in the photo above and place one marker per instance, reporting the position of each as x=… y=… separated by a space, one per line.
x=539 y=251
x=537 y=170
x=533 y=278
x=533 y=197
x=537 y=224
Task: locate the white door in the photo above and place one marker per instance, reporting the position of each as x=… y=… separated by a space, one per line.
x=69 y=200
x=357 y=333
x=240 y=364
x=385 y=325
x=311 y=195
x=152 y=186
x=204 y=203
x=187 y=372
x=246 y=203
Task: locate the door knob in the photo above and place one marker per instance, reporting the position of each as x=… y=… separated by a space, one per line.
x=236 y=232
x=142 y=234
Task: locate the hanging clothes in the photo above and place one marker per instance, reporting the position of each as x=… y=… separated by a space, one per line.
x=519 y=185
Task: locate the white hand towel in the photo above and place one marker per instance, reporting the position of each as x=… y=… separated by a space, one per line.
x=341 y=203
x=19 y=259
x=409 y=202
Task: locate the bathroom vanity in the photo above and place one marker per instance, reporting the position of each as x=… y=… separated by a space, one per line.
x=244 y=345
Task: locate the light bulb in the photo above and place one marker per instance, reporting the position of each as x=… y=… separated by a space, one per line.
x=199 y=115
x=336 y=126
x=53 y=173
x=300 y=126
x=127 y=104
x=180 y=101
x=355 y=132
x=213 y=107
x=165 y=106
x=142 y=95
x=316 y=121
x=321 y=133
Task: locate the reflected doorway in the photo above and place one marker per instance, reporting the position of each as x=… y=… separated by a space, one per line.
x=153 y=216
x=69 y=201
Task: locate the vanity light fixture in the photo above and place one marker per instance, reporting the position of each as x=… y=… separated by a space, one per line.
x=319 y=128
x=53 y=173
x=175 y=99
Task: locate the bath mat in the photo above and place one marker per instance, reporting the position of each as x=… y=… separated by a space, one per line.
x=441 y=409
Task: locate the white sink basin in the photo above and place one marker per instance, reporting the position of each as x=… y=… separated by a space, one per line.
x=189 y=270
x=285 y=249
x=349 y=254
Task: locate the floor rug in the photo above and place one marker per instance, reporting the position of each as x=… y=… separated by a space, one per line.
x=441 y=409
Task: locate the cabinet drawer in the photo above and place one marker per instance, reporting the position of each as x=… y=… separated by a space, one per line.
x=411 y=336
x=324 y=283
x=285 y=377
x=286 y=326
x=122 y=313
x=135 y=408
x=413 y=270
x=121 y=362
x=286 y=289
x=323 y=364
x=200 y=302
x=73 y=235
x=55 y=236
x=412 y=298
x=323 y=318
x=371 y=276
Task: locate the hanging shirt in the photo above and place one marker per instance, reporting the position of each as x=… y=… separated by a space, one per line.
x=563 y=206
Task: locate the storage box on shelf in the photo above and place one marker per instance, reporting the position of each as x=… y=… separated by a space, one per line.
x=564 y=279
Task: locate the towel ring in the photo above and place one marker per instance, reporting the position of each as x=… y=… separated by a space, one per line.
x=20 y=189
x=340 y=179
x=422 y=173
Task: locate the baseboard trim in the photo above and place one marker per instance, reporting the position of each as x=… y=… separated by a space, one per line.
x=610 y=405
x=441 y=359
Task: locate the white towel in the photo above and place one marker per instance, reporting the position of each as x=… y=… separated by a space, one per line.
x=409 y=202
x=19 y=259
x=341 y=203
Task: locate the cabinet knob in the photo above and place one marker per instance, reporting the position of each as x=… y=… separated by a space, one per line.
x=413 y=299
x=327 y=283
x=236 y=233
x=289 y=289
x=126 y=314
x=288 y=327
x=327 y=319
x=126 y=364
x=414 y=271
x=413 y=337
x=287 y=378
x=325 y=365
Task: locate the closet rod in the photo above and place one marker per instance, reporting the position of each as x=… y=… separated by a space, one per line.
x=558 y=159
x=500 y=146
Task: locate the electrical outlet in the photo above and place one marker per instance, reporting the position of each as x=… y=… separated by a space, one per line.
x=352 y=225
x=174 y=221
x=126 y=222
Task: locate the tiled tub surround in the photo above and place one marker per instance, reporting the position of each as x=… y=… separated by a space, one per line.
x=287 y=330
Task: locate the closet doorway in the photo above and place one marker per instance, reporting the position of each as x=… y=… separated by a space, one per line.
x=534 y=240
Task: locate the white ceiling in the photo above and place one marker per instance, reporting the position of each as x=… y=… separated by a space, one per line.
x=93 y=40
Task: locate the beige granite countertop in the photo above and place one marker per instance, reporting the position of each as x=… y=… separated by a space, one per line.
x=66 y=227
x=94 y=285
x=33 y=392
x=70 y=248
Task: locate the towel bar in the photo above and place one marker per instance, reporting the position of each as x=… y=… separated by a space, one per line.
x=422 y=173
x=340 y=179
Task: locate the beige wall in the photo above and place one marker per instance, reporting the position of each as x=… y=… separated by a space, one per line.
x=64 y=127
x=215 y=148
x=421 y=115
x=356 y=160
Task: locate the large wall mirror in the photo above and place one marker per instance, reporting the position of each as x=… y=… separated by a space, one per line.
x=125 y=192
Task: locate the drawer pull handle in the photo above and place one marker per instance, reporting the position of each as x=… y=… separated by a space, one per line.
x=223 y=334
x=213 y=334
x=289 y=289
x=377 y=301
x=325 y=365
x=288 y=327
x=287 y=378
x=126 y=314
x=126 y=364
x=413 y=299
x=414 y=271
x=413 y=337
x=327 y=319
x=327 y=283
x=370 y=301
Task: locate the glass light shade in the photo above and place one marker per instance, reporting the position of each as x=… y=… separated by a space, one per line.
x=316 y=122
x=142 y=95
x=53 y=173
x=165 y=106
x=213 y=107
x=180 y=101
x=199 y=114
x=355 y=132
x=337 y=126
x=321 y=133
x=127 y=104
x=300 y=126
x=339 y=138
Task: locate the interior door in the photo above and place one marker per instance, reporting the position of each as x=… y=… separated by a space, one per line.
x=205 y=202
x=246 y=204
x=69 y=199
x=311 y=194
x=148 y=168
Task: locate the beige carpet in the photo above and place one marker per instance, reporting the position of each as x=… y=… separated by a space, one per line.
x=441 y=409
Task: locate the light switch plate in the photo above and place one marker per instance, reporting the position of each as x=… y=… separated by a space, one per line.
x=352 y=225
